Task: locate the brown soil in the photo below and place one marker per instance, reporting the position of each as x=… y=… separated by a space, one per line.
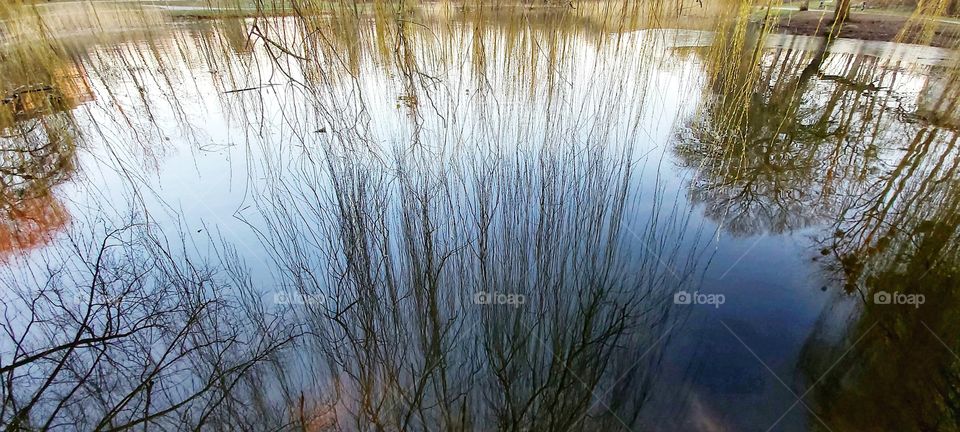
x=869 y=26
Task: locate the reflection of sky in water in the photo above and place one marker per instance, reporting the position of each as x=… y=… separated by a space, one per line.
x=200 y=168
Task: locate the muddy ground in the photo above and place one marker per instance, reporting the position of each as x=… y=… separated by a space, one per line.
x=872 y=26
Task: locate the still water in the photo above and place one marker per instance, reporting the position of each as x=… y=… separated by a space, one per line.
x=482 y=224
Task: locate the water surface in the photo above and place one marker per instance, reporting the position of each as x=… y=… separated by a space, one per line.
x=319 y=225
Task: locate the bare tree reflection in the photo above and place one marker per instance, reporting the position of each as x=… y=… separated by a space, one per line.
x=894 y=366
x=37 y=151
x=780 y=157
x=112 y=331
x=399 y=261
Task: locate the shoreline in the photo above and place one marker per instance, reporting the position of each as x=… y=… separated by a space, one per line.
x=871 y=27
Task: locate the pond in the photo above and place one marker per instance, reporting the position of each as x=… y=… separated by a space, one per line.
x=479 y=221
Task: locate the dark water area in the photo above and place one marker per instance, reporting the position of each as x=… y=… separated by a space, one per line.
x=481 y=225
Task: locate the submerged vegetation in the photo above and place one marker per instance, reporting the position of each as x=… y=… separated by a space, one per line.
x=329 y=215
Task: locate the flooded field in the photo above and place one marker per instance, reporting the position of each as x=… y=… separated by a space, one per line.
x=456 y=218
